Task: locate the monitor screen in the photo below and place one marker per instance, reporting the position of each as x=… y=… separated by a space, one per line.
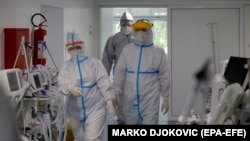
x=13 y=82
x=236 y=70
x=37 y=81
x=42 y=77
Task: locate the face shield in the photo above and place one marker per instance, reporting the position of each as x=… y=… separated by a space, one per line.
x=126 y=22
x=75 y=49
x=141 y=31
x=142 y=24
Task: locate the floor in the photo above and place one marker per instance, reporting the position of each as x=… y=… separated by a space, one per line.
x=163 y=119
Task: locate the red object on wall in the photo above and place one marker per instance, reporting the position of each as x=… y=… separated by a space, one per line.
x=38 y=59
x=12 y=41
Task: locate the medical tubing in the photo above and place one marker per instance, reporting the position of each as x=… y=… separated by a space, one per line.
x=47 y=121
x=61 y=129
x=62 y=112
x=65 y=123
x=43 y=123
x=20 y=108
x=58 y=120
x=61 y=117
x=186 y=111
x=52 y=109
x=14 y=102
x=43 y=127
x=57 y=115
x=44 y=44
x=25 y=120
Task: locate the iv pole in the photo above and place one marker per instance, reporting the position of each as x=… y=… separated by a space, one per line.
x=212 y=24
x=22 y=48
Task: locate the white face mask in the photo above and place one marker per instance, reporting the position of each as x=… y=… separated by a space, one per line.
x=126 y=30
x=76 y=52
x=140 y=36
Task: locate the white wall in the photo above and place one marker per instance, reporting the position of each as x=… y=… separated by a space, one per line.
x=141 y=3
x=83 y=16
x=55 y=35
x=192 y=34
x=78 y=15
x=15 y=14
x=105 y=27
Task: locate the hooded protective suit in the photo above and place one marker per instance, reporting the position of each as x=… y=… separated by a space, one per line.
x=113 y=49
x=115 y=43
x=86 y=112
x=142 y=73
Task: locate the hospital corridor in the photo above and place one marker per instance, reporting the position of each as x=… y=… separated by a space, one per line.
x=105 y=70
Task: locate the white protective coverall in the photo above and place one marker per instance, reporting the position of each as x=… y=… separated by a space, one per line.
x=87 y=113
x=142 y=72
x=113 y=49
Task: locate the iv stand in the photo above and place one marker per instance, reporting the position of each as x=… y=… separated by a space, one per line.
x=45 y=46
x=213 y=44
x=22 y=47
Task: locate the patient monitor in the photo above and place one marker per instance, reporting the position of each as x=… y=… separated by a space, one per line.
x=12 y=83
x=35 y=81
x=234 y=99
x=237 y=71
x=11 y=80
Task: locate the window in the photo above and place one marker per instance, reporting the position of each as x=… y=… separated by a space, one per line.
x=158 y=16
x=110 y=18
x=109 y=25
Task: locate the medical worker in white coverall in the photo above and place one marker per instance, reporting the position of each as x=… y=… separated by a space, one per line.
x=142 y=73
x=113 y=49
x=87 y=84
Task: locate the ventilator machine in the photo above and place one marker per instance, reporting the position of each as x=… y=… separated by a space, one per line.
x=229 y=99
x=33 y=94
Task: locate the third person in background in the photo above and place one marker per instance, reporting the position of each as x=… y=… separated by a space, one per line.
x=113 y=49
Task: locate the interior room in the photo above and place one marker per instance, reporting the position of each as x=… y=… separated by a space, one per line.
x=205 y=44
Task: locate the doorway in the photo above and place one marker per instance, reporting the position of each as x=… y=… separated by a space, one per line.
x=110 y=18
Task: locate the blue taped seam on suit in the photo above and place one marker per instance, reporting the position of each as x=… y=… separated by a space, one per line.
x=82 y=88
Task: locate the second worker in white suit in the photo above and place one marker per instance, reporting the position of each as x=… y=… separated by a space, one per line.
x=142 y=73
x=85 y=81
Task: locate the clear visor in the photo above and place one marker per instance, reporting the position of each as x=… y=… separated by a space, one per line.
x=126 y=23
